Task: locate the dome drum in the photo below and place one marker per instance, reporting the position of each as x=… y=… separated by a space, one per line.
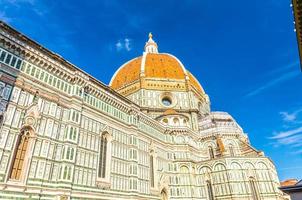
x=157 y=81
x=167 y=100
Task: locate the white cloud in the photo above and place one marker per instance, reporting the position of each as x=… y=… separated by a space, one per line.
x=285 y=134
x=295 y=139
x=292 y=135
x=273 y=82
x=283 y=76
x=292 y=139
x=127 y=44
x=118 y=45
x=290 y=117
x=284 y=68
x=124 y=44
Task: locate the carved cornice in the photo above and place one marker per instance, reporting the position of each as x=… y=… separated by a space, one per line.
x=55 y=64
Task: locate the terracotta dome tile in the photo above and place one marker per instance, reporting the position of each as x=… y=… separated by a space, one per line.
x=127 y=74
x=163 y=66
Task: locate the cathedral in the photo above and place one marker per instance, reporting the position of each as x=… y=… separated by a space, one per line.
x=148 y=135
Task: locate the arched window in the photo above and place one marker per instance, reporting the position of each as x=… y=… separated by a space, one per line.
x=102 y=158
x=253 y=188
x=19 y=155
x=231 y=150
x=1 y=118
x=151 y=170
x=165 y=120
x=210 y=190
x=164 y=195
x=211 y=152
x=176 y=121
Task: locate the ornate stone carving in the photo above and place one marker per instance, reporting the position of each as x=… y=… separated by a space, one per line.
x=32 y=113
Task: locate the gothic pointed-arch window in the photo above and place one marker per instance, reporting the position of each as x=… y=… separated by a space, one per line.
x=164 y=195
x=210 y=190
x=211 y=152
x=176 y=121
x=152 y=181
x=185 y=122
x=19 y=155
x=102 y=156
x=253 y=187
x=104 y=160
x=231 y=150
x=1 y=117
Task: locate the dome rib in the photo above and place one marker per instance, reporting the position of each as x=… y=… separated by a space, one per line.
x=195 y=83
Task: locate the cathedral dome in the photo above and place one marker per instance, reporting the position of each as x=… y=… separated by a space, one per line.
x=154 y=66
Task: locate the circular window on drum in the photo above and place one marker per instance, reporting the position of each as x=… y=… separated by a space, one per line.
x=166 y=101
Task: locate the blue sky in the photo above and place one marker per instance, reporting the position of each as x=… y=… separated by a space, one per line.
x=243 y=52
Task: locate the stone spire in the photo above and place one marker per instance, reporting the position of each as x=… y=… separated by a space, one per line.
x=151 y=46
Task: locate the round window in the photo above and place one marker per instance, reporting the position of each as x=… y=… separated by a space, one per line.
x=165 y=121
x=166 y=101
